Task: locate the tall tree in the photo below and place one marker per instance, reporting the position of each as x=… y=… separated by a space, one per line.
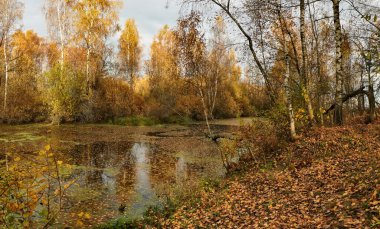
x=24 y=97
x=219 y=63
x=10 y=13
x=163 y=72
x=232 y=10
x=59 y=15
x=317 y=52
x=304 y=77
x=192 y=52
x=130 y=51
x=95 y=20
x=163 y=59
x=338 y=110
x=286 y=36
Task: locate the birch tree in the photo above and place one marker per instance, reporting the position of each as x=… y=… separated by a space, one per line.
x=95 y=20
x=288 y=99
x=192 y=52
x=304 y=77
x=233 y=11
x=219 y=63
x=10 y=14
x=130 y=51
x=338 y=110
x=59 y=15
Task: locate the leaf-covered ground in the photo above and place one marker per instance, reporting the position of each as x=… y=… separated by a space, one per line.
x=330 y=178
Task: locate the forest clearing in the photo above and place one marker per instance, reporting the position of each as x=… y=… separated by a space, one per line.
x=189 y=114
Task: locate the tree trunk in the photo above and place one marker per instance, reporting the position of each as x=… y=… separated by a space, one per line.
x=361 y=105
x=338 y=110
x=205 y=110
x=322 y=99
x=293 y=134
x=361 y=99
x=292 y=126
x=262 y=69
x=305 y=85
x=348 y=96
x=61 y=32
x=6 y=66
x=318 y=58
x=88 y=80
x=372 y=102
x=214 y=98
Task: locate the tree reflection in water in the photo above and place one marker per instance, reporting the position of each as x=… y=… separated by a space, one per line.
x=145 y=195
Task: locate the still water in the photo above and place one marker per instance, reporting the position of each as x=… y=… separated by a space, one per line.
x=120 y=171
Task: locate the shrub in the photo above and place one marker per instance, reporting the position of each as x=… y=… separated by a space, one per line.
x=32 y=190
x=114 y=98
x=229 y=154
x=134 y=121
x=259 y=139
x=65 y=93
x=278 y=117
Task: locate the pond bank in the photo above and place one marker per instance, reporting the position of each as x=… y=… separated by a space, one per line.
x=328 y=178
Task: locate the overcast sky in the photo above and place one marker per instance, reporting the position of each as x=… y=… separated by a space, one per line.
x=150 y=16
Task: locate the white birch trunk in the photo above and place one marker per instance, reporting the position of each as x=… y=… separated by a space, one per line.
x=205 y=111
x=292 y=126
x=6 y=63
x=60 y=8
x=305 y=84
x=88 y=69
x=338 y=112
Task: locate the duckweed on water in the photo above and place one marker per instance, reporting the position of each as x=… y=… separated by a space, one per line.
x=20 y=137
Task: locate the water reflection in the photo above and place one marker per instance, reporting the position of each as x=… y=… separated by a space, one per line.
x=109 y=181
x=181 y=169
x=145 y=195
x=111 y=173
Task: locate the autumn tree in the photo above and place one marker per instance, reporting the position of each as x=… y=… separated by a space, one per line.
x=65 y=93
x=59 y=17
x=219 y=65
x=231 y=96
x=130 y=51
x=193 y=58
x=368 y=65
x=10 y=13
x=163 y=59
x=287 y=42
x=94 y=20
x=321 y=42
x=367 y=44
x=25 y=102
x=232 y=10
x=338 y=110
x=304 y=76
x=163 y=70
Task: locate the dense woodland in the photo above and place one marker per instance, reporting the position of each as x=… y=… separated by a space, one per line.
x=77 y=75
x=305 y=62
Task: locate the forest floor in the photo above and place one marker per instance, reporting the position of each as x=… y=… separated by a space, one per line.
x=329 y=178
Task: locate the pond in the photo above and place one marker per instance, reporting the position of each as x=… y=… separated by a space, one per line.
x=118 y=170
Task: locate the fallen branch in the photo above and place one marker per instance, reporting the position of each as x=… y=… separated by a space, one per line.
x=347 y=97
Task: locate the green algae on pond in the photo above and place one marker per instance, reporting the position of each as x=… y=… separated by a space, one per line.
x=119 y=171
x=19 y=137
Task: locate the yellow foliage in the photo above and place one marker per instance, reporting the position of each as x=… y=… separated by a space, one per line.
x=24 y=180
x=130 y=50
